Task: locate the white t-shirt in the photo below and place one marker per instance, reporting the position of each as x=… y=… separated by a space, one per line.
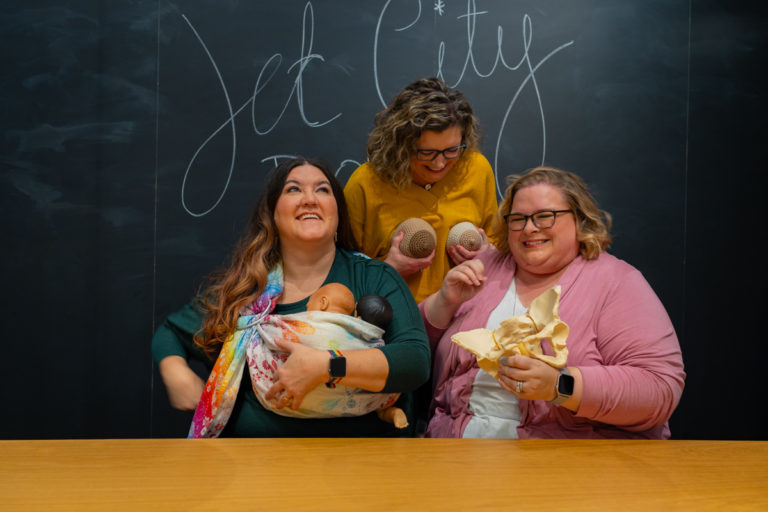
x=495 y=410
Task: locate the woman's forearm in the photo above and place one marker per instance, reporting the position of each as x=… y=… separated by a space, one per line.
x=183 y=385
x=438 y=311
x=366 y=369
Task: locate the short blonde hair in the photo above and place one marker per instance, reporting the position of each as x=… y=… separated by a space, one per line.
x=592 y=223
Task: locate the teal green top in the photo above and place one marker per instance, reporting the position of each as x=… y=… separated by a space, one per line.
x=406 y=349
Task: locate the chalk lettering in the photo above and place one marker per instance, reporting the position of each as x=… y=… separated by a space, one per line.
x=469 y=18
x=266 y=74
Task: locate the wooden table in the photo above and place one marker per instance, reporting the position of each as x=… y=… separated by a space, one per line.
x=382 y=474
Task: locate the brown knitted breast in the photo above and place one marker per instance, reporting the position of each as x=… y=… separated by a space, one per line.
x=419 y=239
x=464 y=234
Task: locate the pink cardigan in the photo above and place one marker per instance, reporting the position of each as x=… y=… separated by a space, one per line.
x=620 y=338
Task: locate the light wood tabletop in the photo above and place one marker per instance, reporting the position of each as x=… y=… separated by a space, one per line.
x=382 y=474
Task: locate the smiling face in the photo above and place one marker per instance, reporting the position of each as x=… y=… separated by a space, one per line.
x=543 y=251
x=306 y=212
x=428 y=173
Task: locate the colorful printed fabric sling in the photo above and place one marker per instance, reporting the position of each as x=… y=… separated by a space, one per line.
x=220 y=391
x=253 y=343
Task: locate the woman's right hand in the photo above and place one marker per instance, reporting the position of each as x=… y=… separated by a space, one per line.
x=463 y=282
x=183 y=385
x=460 y=284
x=406 y=265
x=460 y=254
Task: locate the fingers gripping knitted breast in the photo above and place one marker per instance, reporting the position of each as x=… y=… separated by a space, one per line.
x=419 y=237
x=464 y=234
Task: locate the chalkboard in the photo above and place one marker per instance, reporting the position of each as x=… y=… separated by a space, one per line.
x=550 y=85
x=78 y=98
x=137 y=137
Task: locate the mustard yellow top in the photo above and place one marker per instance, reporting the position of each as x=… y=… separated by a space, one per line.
x=466 y=193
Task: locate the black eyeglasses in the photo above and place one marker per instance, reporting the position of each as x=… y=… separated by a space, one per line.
x=427 y=155
x=542 y=219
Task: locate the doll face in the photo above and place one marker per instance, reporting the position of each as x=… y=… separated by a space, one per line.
x=332 y=298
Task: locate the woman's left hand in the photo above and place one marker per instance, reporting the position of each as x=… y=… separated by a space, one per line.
x=459 y=254
x=527 y=378
x=304 y=370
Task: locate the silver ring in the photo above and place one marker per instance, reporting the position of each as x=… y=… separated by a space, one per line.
x=519 y=387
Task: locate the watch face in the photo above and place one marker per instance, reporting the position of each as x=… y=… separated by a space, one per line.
x=565 y=384
x=338 y=367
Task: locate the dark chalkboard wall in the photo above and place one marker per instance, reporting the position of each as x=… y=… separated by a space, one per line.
x=137 y=136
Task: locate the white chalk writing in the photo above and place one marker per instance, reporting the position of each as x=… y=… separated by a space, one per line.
x=523 y=67
x=265 y=75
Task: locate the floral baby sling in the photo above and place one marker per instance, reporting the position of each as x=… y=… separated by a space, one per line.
x=253 y=343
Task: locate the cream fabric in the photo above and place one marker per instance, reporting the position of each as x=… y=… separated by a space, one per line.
x=521 y=335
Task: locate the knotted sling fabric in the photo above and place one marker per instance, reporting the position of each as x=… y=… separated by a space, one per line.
x=223 y=383
x=324 y=331
x=253 y=342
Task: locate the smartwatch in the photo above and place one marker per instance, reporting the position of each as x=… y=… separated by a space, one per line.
x=563 y=387
x=337 y=368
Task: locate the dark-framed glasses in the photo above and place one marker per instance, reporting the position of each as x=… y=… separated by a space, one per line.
x=427 y=155
x=542 y=219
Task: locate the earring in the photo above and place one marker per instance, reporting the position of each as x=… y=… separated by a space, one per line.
x=336 y=237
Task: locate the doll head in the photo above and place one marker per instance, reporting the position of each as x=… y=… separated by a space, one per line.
x=375 y=310
x=337 y=298
x=333 y=298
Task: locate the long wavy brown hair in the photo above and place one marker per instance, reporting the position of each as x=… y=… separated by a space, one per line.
x=426 y=104
x=592 y=223
x=256 y=253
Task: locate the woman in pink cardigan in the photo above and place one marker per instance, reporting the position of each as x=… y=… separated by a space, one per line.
x=624 y=375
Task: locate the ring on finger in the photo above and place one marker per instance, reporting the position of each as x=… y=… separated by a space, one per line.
x=519 y=386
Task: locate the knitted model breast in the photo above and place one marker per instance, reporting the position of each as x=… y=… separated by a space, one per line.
x=464 y=234
x=419 y=239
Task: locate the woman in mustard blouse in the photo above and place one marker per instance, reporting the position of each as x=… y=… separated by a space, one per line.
x=423 y=162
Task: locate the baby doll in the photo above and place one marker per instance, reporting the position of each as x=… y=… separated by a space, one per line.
x=374 y=309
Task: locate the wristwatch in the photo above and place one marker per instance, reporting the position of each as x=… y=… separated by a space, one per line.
x=337 y=368
x=563 y=387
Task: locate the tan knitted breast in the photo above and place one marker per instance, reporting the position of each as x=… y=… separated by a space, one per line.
x=464 y=234
x=419 y=239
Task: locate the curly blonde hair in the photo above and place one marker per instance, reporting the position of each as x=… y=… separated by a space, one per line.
x=426 y=104
x=592 y=223
x=257 y=252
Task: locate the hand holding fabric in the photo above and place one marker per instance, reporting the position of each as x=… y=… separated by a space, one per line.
x=299 y=342
x=303 y=370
